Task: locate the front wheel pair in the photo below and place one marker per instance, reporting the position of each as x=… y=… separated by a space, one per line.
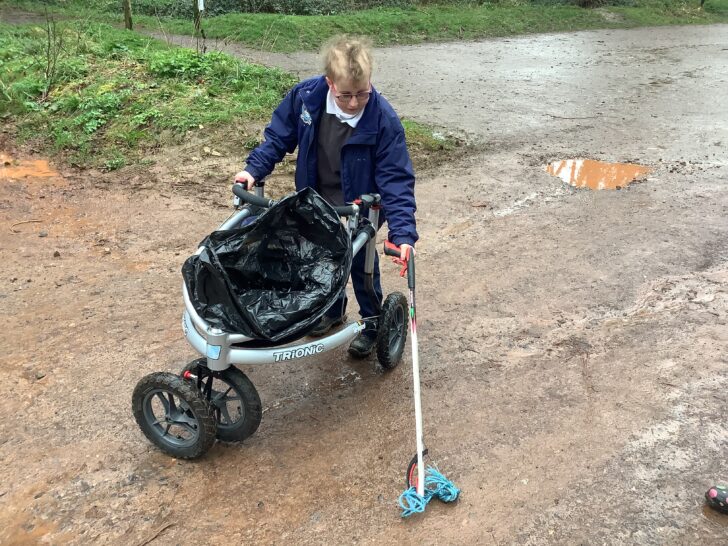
x=183 y=414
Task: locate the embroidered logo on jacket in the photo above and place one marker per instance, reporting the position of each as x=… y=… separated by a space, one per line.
x=305 y=116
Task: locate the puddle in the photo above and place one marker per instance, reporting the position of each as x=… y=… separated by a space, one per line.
x=11 y=169
x=597 y=175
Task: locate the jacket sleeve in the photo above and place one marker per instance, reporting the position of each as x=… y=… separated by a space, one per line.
x=281 y=137
x=395 y=180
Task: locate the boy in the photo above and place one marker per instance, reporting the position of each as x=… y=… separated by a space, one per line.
x=350 y=142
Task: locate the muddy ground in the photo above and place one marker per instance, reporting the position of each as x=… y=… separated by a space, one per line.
x=573 y=343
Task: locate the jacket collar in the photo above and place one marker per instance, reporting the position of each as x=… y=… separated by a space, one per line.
x=314 y=96
x=368 y=127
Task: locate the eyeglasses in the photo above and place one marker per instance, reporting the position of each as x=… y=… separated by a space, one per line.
x=362 y=96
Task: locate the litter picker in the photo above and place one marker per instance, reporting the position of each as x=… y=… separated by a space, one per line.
x=428 y=483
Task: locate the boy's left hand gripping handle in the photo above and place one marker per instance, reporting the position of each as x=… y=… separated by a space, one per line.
x=247 y=197
x=408 y=264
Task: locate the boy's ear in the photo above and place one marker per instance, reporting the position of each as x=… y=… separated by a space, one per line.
x=328 y=81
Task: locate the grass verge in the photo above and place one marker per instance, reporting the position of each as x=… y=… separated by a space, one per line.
x=103 y=97
x=452 y=21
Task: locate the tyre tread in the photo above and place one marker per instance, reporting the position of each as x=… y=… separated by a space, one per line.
x=200 y=408
x=385 y=357
x=251 y=400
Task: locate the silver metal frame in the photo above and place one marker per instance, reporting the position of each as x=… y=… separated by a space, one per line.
x=219 y=346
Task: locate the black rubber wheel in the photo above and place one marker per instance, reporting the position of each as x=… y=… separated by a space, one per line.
x=173 y=415
x=392 y=330
x=234 y=400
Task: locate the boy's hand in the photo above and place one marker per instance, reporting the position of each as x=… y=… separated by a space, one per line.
x=403 y=258
x=404 y=251
x=245 y=178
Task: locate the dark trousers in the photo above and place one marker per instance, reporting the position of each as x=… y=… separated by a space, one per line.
x=367 y=308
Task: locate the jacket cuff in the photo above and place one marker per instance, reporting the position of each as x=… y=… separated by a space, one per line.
x=255 y=173
x=403 y=240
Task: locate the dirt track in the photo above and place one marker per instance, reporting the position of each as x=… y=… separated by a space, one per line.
x=573 y=343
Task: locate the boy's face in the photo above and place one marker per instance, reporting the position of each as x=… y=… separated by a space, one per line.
x=351 y=96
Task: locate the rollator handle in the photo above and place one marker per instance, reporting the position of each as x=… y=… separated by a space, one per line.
x=247 y=197
x=263 y=202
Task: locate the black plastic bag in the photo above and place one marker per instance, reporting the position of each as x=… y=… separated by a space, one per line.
x=275 y=278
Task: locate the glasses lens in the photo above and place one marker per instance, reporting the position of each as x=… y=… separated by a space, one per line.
x=346 y=97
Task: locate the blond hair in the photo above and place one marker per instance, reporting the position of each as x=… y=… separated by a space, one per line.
x=348 y=58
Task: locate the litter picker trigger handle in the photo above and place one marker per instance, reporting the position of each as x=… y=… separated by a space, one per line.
x=247 y=197
x=390 y=249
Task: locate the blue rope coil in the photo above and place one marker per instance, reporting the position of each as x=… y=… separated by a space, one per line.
x=436 y=485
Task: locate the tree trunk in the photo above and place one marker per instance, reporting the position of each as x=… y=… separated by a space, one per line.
x=126 y=4
x=196 y=15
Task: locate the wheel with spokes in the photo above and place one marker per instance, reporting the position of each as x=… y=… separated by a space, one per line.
x=173 y=415
x=392 y=330
x=233 y=398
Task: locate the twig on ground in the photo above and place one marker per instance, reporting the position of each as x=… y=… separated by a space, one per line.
x=161 y=27
x=23 y=222
x=562 y=117
x=156 y=534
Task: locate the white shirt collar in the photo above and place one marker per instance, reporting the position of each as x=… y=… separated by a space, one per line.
x=343 y=117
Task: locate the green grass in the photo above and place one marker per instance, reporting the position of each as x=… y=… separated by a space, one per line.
x=116 y=95
x=449 y=21
x=422 y=138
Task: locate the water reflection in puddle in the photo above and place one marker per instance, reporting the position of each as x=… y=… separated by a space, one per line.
x=596 y=175
x=11 y=169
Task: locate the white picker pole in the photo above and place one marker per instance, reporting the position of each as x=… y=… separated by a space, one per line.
x=409 y=262
x=418 y=401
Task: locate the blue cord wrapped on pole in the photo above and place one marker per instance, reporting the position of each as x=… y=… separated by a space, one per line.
x=436 y=486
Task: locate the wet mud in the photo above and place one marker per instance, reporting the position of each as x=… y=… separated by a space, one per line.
x=12 y=169
x=573 y=344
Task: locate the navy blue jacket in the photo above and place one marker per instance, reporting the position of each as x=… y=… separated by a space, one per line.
x=373 y=160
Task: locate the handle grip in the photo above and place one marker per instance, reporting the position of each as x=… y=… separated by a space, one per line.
x=408 y=264
x=240 y=191
x=258 y=201
x=345 y=210
x=390 y=249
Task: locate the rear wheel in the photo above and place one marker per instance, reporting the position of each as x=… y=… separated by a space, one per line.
x=173 y=415
x=392 y=330
x=233 y=398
